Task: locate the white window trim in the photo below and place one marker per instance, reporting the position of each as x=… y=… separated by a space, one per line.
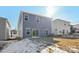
x=47 y=31
x=25 y=16
x=35 y=29
x=37 y=19
x=28 y=29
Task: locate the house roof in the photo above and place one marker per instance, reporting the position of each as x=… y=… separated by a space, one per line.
x=35 y=14
x=61 y=20
x=5 y=20
x=76 y=26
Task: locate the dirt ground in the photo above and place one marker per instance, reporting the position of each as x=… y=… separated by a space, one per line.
x=69 y=45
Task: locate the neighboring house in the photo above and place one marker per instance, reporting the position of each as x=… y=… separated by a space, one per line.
x=60 y=27
x=13 y=34
x=33 y=25
x=4 y=29
x=76 y=27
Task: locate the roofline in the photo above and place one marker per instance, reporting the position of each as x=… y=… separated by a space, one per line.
x=62 y=20
x=35 y=14
x=6 y=19
x=8 y=23
x=75 y=24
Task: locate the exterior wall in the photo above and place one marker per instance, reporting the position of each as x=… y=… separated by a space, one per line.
x=2 y=29
x=42 y=26
x=20 y=26
x=76 y=27
x=4 y=34
x=60 y=27
x=7 y=31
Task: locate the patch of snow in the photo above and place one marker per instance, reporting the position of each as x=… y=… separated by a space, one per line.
x=22 y=46
x=57 y=50
x=29 y=46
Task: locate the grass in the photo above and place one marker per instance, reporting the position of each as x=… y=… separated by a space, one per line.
x=67 y=44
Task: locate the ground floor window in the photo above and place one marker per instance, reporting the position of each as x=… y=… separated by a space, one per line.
x=60 y=31
x=28 y=31
x=46 y=32
x=67 y=31
x=63 y=31
x=34 y=32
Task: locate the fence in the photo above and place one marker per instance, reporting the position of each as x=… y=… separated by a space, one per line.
x=46 y=40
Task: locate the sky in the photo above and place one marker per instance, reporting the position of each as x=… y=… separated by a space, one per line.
x=69 y=13
x=12 y=13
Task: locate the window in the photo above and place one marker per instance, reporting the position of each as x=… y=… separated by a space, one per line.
x=65 y=24
x=55 y=29
x=46 y=32
x=38 y=19
x=60 y=31
x=63 y=31
x=27 y=31
x=35 y=32
x=26 y=17
x=14 y=32
x=67 y=31
x=69 y=25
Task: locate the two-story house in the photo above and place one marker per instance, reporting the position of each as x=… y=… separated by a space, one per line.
x=33 y=25
x=76 y=28
x=60 y=27
x=4 y=29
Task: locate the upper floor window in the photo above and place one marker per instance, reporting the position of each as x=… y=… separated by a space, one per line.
x=67 y=31
x=55 y=29
x=60 y=31
x=65 y=24
x=26 y=17
x=38 y=19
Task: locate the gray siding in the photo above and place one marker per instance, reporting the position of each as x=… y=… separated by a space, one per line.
x=7 y=30
x=43 y=25
x=20 y=26
x=4 y=29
